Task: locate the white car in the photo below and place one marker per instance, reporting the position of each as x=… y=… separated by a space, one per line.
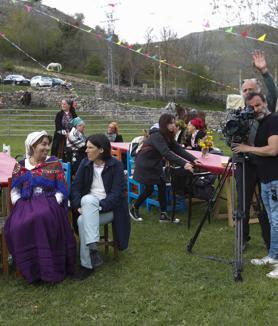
x=16 y=80
x=40 y=81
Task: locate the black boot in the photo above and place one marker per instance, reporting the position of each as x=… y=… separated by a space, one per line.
x=83 y=274
x=96 y=260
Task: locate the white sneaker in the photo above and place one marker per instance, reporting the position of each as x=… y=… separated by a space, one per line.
x=263 y=261
x=176 y=220
x=274 y=273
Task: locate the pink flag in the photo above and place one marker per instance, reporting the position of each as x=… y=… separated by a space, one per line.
x=28 y=8
x=206 y=24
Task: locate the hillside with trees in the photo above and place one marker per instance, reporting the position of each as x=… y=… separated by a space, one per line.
x=215 y=55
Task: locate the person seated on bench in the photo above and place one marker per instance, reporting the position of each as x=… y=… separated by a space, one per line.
x=98 y=193
x=37 y=232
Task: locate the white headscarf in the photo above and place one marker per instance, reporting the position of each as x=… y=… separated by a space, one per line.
x=31 y=139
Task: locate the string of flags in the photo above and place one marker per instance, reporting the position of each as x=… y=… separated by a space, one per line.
x=130 y=47
x=21 y=50
x=244 y=34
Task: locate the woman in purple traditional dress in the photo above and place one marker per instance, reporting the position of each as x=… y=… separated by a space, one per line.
x=37 y=232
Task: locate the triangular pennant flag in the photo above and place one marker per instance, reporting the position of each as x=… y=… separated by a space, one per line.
x=244 y=34
x=163 y=61
x=28 y=8
x=2 y=34
x=173 y=65
x=206 y=24
x=154 y=57
x=99 y=36
x=57 y=19
x=89 y=31
x=229 y=30
x=179 y=67
x=109 y=38
x=130 y=46
x=139 y=50
x=146 y=54
x=262 y=38
x=119 y=42
x=13 y=1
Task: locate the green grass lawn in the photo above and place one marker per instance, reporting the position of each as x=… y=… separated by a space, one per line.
x=154 y=282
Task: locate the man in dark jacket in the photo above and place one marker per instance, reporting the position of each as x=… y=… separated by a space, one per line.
x=98 y=192
x=251 y=177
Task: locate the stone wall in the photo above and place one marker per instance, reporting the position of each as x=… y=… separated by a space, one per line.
x=98 y=106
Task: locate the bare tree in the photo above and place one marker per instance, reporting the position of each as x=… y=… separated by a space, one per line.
x=238 y=12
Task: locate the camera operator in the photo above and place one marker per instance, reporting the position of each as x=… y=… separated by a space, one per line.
x=251 y=178
x=266 y=160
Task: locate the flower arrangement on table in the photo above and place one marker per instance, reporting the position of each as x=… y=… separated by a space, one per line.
x=206 y=143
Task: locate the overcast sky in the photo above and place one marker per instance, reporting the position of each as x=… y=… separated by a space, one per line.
x=135 y=17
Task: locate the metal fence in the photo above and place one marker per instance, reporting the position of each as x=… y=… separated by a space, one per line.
x=20 y=122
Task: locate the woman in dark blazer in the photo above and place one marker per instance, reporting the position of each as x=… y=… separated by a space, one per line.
x=149 y=164
x=62 y=128
x=195 y=132
x=98 y=193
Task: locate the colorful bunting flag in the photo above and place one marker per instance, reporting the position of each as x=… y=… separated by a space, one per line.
x=28 y=8
x=2 y=34
x=262 y=38
x=206 y=24
x=139 y=50
x=229 y=30
x=119 y=42
x=244 y=34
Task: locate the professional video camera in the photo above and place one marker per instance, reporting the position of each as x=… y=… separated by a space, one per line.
x=237 y=126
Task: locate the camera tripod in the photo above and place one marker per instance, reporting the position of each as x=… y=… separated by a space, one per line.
x=238 y=214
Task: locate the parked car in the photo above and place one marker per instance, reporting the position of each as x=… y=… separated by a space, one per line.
x=181 y=91
x=16 y=79
x=40 y=81
x=60 y=82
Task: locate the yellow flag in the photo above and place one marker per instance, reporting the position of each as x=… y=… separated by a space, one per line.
x=262 y=38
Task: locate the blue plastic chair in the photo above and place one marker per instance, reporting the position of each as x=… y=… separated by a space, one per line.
x=134 y=188
x=67 y=170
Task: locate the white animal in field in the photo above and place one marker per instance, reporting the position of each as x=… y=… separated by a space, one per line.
x=54 y=66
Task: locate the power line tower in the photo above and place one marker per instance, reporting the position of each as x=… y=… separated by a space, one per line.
x=110 y=31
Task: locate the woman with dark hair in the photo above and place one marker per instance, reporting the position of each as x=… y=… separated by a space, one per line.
x=98 y=193
x=37 y=232
x=195 y=133
x=62 y=128
x=149 y=164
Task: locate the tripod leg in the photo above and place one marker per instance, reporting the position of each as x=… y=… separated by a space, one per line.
x=189 y=211
x=238 y=263
x=193 y=240
x=210 y=206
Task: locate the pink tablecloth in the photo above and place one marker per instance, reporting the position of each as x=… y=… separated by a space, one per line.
x=213 y=163
x=6 y=168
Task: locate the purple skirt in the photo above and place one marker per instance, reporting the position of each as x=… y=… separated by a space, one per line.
x=40 y=239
